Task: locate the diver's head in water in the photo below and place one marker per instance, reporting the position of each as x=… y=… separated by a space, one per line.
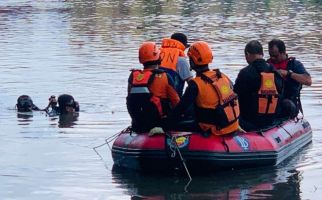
x=67 y=104
x=25 y=104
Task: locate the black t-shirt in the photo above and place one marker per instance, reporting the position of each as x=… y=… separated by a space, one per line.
x=247 y=85
x=292 y=87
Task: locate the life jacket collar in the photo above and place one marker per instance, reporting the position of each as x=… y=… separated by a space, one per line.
x=281 y=65
x=171 y=43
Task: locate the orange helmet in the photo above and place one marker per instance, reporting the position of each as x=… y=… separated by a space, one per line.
x=200 y=53
x=148 y=52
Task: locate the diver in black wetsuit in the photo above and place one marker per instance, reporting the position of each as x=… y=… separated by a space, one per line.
x=66 y=105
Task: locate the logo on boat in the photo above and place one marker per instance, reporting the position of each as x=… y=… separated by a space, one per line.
x=181 y=141
x=242 y=142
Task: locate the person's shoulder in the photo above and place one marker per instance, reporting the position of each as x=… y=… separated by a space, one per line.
x=245 y=70
x=158 y=71
x=192 y=85
x=182 y=61
x=193 y=81
x=161 y=74
x=225 y=75
x=133 y=70
x=183 y=68
x=294 y=62
x=297 y=66
x=247 y=74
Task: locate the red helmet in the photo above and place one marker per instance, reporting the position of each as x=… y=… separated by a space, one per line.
x=148 y=52
x=200 y=53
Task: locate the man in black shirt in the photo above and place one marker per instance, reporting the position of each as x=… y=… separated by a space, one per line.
x=292 y=70
x=259 y=88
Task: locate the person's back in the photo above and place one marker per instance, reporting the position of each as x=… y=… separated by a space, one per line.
x=173 y=60
x=150 y=91
x=216 y=105
x=259 y=88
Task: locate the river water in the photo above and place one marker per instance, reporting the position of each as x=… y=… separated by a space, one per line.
x=86 y=48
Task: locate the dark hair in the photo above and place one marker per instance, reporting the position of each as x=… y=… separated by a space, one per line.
x=181 y=38
x=279 y=44
x=254 y=47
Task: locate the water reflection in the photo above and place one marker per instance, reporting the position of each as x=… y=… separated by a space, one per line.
x=86 y=48
x=24 y=117
x=238 y=185
x=67 y=120
x=280 y=182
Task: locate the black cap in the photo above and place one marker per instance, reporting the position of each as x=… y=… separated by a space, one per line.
x=181 y=38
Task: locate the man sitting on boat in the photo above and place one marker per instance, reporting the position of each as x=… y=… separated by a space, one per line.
x=292 y=70
x=211 y=94
x=151 y=92
x=259 y=88
x=173 y=60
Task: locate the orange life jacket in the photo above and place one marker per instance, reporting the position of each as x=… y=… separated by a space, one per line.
x=140 y=89
x=217 y=104
x=169 y=53
x=267 y=94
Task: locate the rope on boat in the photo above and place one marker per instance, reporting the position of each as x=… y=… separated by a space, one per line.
x=287 y=131
x=173 y=141
x=296 y=120
x=109 y=140
x=263 y=130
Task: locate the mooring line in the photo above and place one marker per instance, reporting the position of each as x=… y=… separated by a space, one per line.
x=110 y=139
x=173 y=140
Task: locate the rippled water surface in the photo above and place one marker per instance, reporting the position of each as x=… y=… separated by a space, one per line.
x=86 y=48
